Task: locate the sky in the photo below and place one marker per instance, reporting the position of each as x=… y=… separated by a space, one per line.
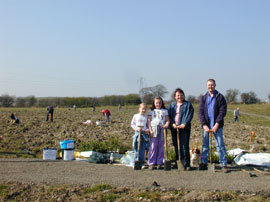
x=93 y=48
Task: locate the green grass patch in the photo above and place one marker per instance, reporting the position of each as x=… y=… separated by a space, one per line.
x=259 y=109
x=112 y=144
x=97 y=188
x=171 y=155
x=3 y=192
x=110 y=197
x=215 y=158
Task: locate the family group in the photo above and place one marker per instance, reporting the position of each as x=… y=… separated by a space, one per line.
x=177 y=117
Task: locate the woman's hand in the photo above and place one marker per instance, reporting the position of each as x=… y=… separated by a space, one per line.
x=174 y=126
x=182 y=126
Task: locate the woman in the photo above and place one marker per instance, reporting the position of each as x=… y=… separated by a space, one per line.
x=180 y=114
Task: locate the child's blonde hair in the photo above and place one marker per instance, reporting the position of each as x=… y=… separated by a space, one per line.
x=142 y=105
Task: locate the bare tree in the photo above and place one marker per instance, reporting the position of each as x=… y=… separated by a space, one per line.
x=231 y=95
x=249 y=98
x=159 y=90
x=148 y=94
x=193 y=99
x=6 y=101
x=20 y=102
x=31 y=101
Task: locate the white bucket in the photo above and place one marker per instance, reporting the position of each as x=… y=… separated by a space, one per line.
x=68 y=155
x=49 y=154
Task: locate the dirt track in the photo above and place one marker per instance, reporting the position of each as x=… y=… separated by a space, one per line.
x=77 y=173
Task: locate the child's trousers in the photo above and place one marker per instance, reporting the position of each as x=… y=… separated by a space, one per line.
x=141 y=155
x=156 y=150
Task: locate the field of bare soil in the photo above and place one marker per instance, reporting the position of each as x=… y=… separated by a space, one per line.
x=30 y=178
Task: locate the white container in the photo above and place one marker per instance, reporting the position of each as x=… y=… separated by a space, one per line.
x=68 y=155
x=49 y=154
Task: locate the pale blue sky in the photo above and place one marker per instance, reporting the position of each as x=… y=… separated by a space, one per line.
x=96 y=48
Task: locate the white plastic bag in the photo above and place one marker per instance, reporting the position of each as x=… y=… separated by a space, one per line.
x=128 y=159
x=258 y=159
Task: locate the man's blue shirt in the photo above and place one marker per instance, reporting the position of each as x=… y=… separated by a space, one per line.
x=210 y=107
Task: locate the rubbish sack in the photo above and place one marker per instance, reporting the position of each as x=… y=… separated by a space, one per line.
x=88 y=122
x=235 y=152
x=96 y=157
x=128 y=159
x=257 y=159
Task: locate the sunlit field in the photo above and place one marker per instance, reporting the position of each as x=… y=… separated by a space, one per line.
x=34 y=133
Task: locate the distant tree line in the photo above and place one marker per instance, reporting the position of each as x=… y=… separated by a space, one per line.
x=145 y=95
x=32 y=101
x=231 y=96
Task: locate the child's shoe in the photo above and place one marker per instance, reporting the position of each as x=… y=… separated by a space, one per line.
x=152 y=167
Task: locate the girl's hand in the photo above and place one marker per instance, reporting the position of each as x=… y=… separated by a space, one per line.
x=166 y=125
x=140 y=129
x=174 y=126
x=147 y=131
x=151 y=133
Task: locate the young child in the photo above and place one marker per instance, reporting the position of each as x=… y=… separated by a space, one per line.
x=139 y=124
x=158 y=119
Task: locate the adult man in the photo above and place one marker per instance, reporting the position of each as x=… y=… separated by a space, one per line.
x=236 y=114
x=212 y=110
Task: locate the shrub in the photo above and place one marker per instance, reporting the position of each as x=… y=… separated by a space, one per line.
x=171 y=155
x=112 y=144
x=215 y=158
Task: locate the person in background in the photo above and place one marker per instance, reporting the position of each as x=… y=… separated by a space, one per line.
x=158 y=119
x=74 y=107
x=139 y=124
x=14 y=119
x=181 y=113
x=236 y=114
x=50 y=110
x=211 y=112
x=106 y=113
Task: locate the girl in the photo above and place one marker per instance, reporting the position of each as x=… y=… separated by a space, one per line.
x=181 y=114
x=157 y=120
x=139 y=124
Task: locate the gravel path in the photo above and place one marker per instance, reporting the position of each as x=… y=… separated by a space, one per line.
x=75 y=172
